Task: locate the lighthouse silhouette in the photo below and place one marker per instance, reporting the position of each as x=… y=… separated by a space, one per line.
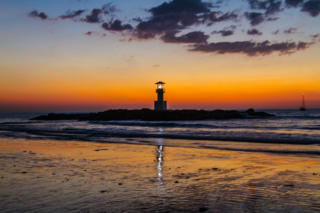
x=160 y=104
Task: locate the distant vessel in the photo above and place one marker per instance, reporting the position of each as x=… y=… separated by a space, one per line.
x=303 y=106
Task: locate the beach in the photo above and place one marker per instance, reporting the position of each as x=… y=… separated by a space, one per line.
x=76 y=176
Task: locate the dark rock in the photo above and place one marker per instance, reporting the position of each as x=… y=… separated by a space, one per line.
x=103 y=191
x=151 y=115
x=251 y=113
x=250 y=110
x=119 y=184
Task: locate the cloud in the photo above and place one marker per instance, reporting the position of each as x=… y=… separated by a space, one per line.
x=251 y=48
x=254 y=18
x=312 y=7
x=170 y=21
x=96 y=14
x=266 y=10
x=98 y=34
x=72 y=14
x=217 y=16
x=177 y=15
x=276 y=32
x=161 y=24
x=293 y=3
x=228 y=31
x=192 y=37
x=272 y=18
x=290 y=30
x=254 y=32
x=270 y=6
x=224 y=32
x=273 y=7
x=36 y=14
x=116 y=26
x=181 y=6
x=172 y=16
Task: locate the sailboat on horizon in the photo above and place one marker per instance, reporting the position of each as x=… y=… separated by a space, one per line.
x=303 y=106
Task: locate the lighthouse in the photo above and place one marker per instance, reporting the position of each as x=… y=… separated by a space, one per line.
x=160 y=104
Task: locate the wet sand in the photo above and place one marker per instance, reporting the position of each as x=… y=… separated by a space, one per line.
x=66 y=176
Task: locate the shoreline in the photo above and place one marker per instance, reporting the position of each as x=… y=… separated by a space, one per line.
x=56 y=176
x=223 y=145
x=101 y=136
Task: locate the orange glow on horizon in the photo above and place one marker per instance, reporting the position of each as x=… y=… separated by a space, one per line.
x=192 y=81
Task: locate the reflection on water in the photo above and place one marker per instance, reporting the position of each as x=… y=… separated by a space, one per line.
x=159 y=162
x=159 y=156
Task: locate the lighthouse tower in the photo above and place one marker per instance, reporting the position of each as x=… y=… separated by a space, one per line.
x=160 y=104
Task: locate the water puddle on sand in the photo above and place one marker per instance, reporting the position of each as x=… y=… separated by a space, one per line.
x=64 y=176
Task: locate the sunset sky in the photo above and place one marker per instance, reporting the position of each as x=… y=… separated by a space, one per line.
x=83 y=55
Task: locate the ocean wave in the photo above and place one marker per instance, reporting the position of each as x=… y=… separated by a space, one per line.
x=196 y=125
x=57 y=131
x=218 y=143
x=310 y=117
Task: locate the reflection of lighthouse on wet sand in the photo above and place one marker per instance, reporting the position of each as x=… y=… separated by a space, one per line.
x=159 y=168
x=160 y=158
x=159 y=162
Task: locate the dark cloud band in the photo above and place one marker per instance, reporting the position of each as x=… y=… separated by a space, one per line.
x=72 y=14
x=250 y=48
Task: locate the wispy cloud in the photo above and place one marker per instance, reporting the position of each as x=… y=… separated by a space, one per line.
x=72 y=14
x=254 y=32
x=116 y=25
x=36 y=14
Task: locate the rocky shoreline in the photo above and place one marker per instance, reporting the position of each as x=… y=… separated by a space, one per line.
x=151 y=115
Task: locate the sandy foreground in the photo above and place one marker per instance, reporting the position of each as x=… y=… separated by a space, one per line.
x=65 y=176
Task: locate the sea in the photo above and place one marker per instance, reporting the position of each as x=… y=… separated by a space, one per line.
x=289 y=131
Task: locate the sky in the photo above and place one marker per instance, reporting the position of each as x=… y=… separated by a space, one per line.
x=91 y=55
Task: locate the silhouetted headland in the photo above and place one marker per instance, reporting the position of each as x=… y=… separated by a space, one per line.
x=153 y=115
